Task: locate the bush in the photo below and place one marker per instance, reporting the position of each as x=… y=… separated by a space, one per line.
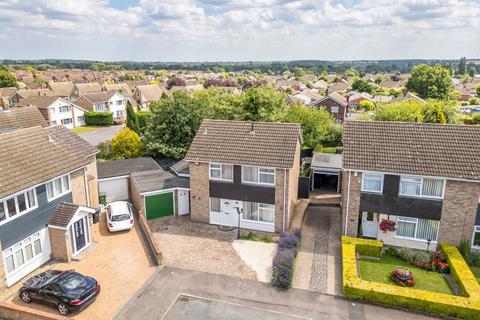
x=255 y=237
x=126 y=144
x=284 y=260
x=421 y=256
x=406 y=254
x=366 y=105
x=391 y=251
x=98 y=118
x=476 y=118
x=143 y=118
x=105 y=149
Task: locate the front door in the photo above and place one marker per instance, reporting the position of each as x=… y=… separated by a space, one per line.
x=79 y=230
x=229 y=215
x=183 y=202
x=369 y=224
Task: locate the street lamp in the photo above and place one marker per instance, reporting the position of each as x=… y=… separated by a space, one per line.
x=239 y=211
x=428 y=244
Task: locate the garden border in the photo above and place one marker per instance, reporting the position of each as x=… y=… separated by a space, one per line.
x=467 y=307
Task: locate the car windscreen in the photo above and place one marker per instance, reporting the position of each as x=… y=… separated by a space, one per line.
x=119 y=217
x=75 y=284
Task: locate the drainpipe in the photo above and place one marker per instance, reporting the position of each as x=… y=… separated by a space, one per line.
x=348 y=202
x=87 y=191
x=284 y=198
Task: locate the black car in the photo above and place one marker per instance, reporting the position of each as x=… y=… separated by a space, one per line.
x=68 y=290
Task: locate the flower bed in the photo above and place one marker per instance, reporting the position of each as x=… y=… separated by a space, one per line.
x=466 y=307
x=284 y=260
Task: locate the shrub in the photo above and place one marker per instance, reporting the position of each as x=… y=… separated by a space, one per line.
x=476 y=118
x=126 y=144
x=143 y=118
x=282 y=270
x=391 y=251
x=288 y=241
x=366 y=105
x=405 y=254
x=98 y=118
x=421 y=256
x=105 y=149
x=255 y=237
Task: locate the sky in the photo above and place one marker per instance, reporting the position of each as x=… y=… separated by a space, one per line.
x=239 y=30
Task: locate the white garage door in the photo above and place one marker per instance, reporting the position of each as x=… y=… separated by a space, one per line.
x=116 y=189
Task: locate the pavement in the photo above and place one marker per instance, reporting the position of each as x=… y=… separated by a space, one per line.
x=101 y=135
x=191 y=295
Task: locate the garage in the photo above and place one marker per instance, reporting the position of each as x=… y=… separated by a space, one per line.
x=326 y=173
x=159 y=205
x=116 y=189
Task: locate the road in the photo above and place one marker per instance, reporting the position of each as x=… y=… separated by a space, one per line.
x=191 y=295
x=100 y=135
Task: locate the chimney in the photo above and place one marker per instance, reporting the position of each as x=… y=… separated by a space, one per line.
x=205 y=131
x=252 y=128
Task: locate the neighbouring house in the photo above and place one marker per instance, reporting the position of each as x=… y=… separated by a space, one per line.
x=383 y=99
x=423 y=177
x=245 y=172
x=85 y=88
x=146 y=94
x=408 y=96
x=63 y=90
x=341 y=86
x=19 y=118
x=121 y=88
x=57 y=110
x=320 y=84
x=391 y=84
x=355 y=98
x=335 y=104
x=104 y=102
x=46 y=172
x=5 y=94
x=21 y=94
x=304 y=97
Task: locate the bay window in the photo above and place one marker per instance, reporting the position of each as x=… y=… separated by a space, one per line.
x=415 y=228
x=258 y=175
x=22 y=252
x=372 y=182
x=221 y=172
x=421 y=187
x=58 y=187
x=18 y=204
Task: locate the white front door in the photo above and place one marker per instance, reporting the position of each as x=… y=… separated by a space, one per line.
x=183 y=202
x=229 y=213
x=369 y=224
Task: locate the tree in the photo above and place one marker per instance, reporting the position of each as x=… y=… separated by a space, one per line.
x=366 y=105
x=361 y=85
x=7 y=79
x=409 y=111
x=433 y=113
x=132 y=120
x=431 y=82
x=474 y=101
x=126 y=145
x=478 y=90
x=462 y=66
x=262 y=104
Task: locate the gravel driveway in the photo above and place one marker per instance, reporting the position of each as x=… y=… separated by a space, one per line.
x=197 y=246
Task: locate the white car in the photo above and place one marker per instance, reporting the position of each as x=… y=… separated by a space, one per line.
x=119 y=216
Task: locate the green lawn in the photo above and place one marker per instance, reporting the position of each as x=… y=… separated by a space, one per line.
x=476 y=272
x=85 y=129
x=379 y=271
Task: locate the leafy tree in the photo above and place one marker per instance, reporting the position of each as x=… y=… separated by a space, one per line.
x=7 y=79
x=431 y=82
x=462 y=66
x=409 y=111
x=478 y=90
x=362 y=85
x=262 y=104
x=333 y=137
x=474 y=101
x=379 y=78
x=471 y=72
x=476 y=118
x=366 y=105
x=126 y=145
x=219 y=104
x=433 y=113
x=132 y=120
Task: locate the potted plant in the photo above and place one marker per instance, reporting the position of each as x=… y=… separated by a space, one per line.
x=387 y=225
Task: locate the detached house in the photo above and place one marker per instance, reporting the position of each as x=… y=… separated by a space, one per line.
x=244 y=171
x=104 y=102
x=423 y=177
x=48 y=188
x=335 y=104
x=146 y=94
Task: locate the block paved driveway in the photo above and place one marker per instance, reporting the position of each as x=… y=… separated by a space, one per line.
x=121 y=263
x=191 y=295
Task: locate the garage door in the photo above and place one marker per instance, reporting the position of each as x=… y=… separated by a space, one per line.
x=116 y=189
x=159 y=205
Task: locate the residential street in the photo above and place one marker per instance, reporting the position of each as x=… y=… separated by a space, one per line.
x=184 y=295
x=101 y=135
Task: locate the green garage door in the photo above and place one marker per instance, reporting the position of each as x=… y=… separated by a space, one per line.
x=159 y=205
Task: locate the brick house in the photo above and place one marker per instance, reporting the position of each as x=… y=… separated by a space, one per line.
x=335 y=104
x=424 y=177
x=41 y=168
x=245 y=171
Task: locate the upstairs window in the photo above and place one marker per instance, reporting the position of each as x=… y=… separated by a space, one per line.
x=258 y=175
x=65 y=108
x=17 y=205
x=221 y=172
x=119 y=102
x=58 y=187
x=372 y=182
x=421 y=187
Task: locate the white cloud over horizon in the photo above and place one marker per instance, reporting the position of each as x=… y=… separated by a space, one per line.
x=239 y=30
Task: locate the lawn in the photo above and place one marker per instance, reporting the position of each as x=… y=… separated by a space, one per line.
x=476 y=272
x=85 y=129
x=379 y=271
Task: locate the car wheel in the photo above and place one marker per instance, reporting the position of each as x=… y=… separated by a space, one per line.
x=26 y=297
x=63 y=309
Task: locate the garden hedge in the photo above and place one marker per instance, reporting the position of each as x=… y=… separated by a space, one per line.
x=466 y=307
x=98 y=118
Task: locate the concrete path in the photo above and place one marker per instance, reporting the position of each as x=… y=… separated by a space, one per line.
x=101 y=135
x=161 y=296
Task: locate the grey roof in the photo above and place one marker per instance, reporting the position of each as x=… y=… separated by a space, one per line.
x=63 y=214
x=443 y=150
x=151 y=181
x=269 y=144
x=118 y=168
x=96 y=97
x=38 y=101
x=327 y=160
x=19 y=118
x=181 y=167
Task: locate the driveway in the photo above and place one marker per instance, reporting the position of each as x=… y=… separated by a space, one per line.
x=198 y=246
x=101 y=135
x=121 y=264
x=191 y=295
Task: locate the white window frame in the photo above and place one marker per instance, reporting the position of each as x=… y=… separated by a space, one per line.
x=475 y=230
x=63 y=121
x=18 y=213
x=258 y=173
x=257 y=205
x=214 y=166
x=219 y=205
x=61 y=109
x=120 y=113
x=365 y=175
x=21 y=246
x=399 y=219
x=64 y=191
x=119 y=102
x=421 y=187
x=336 y=110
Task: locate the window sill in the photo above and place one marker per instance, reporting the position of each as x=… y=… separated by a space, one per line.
x=17 y=215
x=420 y=197
x=58 y=196
x=259 y=184
x=257 y=222
x=221 y=180
x=415 y=239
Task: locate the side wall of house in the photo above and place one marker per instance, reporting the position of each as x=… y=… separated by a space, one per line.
x=60 y=243
x=281 y=199
x=77 y=181
x=92 y=177
x=293 y=175
x=351 y=185
x=199 y=192
x=459 y=210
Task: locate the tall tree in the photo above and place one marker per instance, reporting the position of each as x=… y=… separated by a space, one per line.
x=462 y=66
x=7 y=79
x=262 y=104
x=431 y=82
x=132 y=119
x=362 y=85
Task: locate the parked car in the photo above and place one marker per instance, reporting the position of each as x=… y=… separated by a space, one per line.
x=119 y=216
x=68 y=290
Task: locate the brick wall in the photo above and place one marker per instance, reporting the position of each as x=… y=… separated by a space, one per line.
x=137 y=199
x=279 y=200
x=77 y=181
x=458 y=212
x=292 y=182
x=92 y=177
x=15 y=312
x=353 y=204
x=199 y=192
x=60 y=244
x=78 y=185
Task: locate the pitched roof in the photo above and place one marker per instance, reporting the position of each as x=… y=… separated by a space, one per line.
x=34 y=155
x=118 y=168
x=62 y=89
x=19 y=118
x=63 y=214
x=117 y=87
x=96 y=97
x=443 y=150
x=151 y=92
x=149 y=181
x=270 y=144
x=24 y=93
x=7 y=92
x=88 y=87
x=38 y=101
